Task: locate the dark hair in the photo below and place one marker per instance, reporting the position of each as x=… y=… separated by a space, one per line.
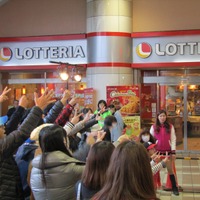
x=129 y=175
x=144 y=131
x=158 y=124
x=97 y=163
x=102 y=101
x=86 y=110
x=51 y=138
x=109 y=120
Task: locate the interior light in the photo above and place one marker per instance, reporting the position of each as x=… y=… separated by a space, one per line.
x=63 y=72
x=64 y=76
x=23 y=90
x=77 y=77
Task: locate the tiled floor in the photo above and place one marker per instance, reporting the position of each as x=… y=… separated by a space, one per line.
x=188 y=173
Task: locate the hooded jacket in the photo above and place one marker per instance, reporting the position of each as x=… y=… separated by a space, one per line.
x=61 y=174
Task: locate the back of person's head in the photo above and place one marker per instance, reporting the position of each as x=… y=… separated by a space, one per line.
x=129 y=175
x=53 y=138
x=102 y=102
x=112 y=108
x=97 y=163
x=110 y=120
x=15 y=103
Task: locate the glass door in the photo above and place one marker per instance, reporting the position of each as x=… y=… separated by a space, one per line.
x=180 y=97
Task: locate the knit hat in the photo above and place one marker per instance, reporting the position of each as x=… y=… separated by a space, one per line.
x=3 y=120
x=35 y=133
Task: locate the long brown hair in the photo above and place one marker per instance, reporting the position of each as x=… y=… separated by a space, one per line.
x=97 y=163
x=166 y=123
x=129 y=176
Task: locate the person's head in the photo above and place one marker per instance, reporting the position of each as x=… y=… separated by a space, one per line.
x=129 y=175
x=97 y=163
x=112 y=108
x=3 y=121
x=150 y=147
x=110 y=122
x=145 y=136
x=162 y=120
x=15 y=103
x=101 y=104
x=53 y=138
x=161 y=117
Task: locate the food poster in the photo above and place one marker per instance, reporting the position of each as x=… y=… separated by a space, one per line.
x=127 y=99
x=132 y=125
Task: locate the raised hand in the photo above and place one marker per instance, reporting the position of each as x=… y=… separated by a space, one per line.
x=100 y=135
x=73 y=101
x=166 y=159
x=3 y=96
x=45 y=99
x=76 y=118
x=23 y=101
x=66 y=96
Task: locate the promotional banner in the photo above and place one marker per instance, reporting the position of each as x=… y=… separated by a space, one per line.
x=80 y=98
x=127 y=100
x=89 y=98
x=133 y=125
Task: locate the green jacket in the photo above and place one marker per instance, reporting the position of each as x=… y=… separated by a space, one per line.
x=103 y=115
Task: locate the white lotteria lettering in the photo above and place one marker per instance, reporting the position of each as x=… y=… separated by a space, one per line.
x=28 y=53
x=158 y=51
x=171 y=49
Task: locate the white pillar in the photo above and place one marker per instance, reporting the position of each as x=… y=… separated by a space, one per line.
x=109 y=28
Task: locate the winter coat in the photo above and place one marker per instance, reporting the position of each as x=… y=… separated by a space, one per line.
x=61 y=174
x=10 y=183
x=24 y=156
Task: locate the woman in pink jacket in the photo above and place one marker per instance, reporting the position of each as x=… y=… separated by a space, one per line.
x=165 y=136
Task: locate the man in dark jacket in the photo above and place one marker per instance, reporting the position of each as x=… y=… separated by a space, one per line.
x=10 y=184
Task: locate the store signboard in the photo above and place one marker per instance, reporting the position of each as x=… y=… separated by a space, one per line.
x=128 y=99
x=167 y=49
x=42 y=52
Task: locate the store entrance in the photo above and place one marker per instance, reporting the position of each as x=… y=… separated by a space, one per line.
x=179 y=95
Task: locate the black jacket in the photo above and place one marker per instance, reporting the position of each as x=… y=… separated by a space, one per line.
x=10 y=184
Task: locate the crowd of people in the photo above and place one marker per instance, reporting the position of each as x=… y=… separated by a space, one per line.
x=52 y=151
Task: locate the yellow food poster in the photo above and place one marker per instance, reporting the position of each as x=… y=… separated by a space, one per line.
x=133 y=125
